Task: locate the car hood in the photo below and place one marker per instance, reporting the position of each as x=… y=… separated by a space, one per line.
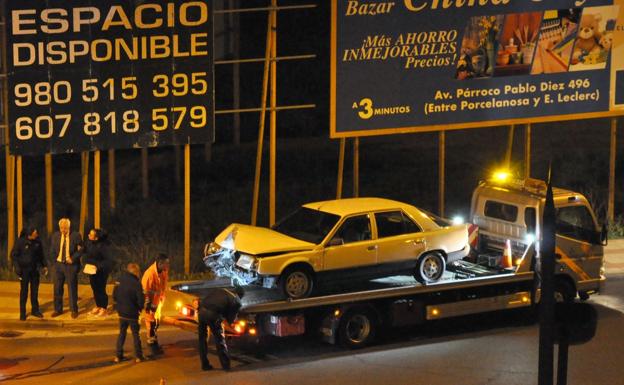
x=259 y=241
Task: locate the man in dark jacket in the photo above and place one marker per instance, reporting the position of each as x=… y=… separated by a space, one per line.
x=65 y=250
x=27 y=257
x=130 y=301
x=217 y=305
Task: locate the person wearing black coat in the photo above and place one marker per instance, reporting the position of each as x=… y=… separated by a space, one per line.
x=218 y=304
x=96 y=252
x=27 y=256
x=129 y=300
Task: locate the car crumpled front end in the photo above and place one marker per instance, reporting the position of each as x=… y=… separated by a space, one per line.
x=225 y=262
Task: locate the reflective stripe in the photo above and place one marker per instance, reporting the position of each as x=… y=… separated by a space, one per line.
x=569 y=262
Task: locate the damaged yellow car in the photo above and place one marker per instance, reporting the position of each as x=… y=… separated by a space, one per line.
x=357 y=238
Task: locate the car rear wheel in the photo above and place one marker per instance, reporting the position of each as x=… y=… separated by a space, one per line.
x=296 y=282
x=430 y=268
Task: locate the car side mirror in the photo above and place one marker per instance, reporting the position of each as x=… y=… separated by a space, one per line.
x=604 y=235
x=336 y=241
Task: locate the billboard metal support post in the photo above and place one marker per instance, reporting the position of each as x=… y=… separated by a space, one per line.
x=111 y=180
x=84 y=202
x=20 y=194
x=510 y=138
x=48 y=192
x=273 y=115
x=341 y=156
x=441 y=171
x=235 y=49
x=265 y=86
x=612 y=153
x=10 y=181
x=187 y=208
x=527 y=151
x=96 y=189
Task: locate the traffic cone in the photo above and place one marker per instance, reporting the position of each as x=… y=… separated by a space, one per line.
x=162 y=381
x=507 y=260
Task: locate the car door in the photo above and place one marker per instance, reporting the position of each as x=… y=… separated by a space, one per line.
x=352 y=245
x=399 y=237
x=579 y=248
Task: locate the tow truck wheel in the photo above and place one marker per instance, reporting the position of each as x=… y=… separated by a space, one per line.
x=564 y=291
x=430 y=268
x=357 y=328
x=296 y=282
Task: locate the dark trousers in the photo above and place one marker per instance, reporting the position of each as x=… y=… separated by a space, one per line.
x=121 y=339
x=208 y=319
x=66 y=273
x=152 y=326
x=98 y=285
x=29 y=278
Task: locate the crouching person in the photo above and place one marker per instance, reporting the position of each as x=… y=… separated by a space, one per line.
x=217 y=305
x=130 y=301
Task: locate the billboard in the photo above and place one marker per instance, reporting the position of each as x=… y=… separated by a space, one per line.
x=425 y=65
x=95 y=75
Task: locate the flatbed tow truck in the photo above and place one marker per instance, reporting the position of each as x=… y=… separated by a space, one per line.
x=353 y=314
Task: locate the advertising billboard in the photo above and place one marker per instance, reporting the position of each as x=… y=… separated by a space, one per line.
x=94 y=75
x=425 y=65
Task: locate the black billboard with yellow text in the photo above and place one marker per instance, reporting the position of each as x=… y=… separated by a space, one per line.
x=94 y=75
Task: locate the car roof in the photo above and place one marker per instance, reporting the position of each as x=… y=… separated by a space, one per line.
x=349 y=206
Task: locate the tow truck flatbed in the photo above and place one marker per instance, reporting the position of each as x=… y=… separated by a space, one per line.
x=460 y=275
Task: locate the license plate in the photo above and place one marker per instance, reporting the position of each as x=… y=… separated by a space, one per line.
x=245 y=262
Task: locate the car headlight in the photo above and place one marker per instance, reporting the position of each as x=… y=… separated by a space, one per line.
x=211 y=248
x=246 y=262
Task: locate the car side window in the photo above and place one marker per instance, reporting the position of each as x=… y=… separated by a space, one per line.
x=576 y=222
x=354 y=229
x=502 y=211
x=391 y=223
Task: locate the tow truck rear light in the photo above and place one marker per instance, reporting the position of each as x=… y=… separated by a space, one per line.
x=252 y=331
x=239 y=326
x=187 y=311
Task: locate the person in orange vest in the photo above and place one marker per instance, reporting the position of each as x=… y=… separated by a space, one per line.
x=154 y=283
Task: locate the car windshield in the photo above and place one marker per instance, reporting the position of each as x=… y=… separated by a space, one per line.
x=307 y=225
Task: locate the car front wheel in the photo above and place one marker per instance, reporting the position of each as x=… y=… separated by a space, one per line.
x=430 y=268
x=296 y=282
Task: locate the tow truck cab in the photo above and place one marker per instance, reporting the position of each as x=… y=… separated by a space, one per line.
x=506 y=209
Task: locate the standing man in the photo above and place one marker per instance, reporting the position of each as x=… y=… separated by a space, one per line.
x=218 y=304
x=65 y=247
x=27 y=256
x=130 y=300
x=154 y=283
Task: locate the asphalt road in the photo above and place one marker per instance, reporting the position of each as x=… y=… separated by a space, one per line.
x=492 y=349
